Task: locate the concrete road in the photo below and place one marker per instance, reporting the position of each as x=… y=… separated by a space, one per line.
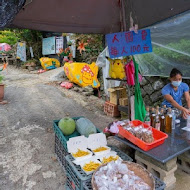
x=27 y=159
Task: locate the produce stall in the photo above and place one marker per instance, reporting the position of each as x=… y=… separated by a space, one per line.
x=82 y=151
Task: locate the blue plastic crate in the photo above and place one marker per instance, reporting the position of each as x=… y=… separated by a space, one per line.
x=159 y=185
x=78 y=176
x=64 y=138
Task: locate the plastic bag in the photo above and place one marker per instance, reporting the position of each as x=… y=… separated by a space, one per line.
x=104 y=63
x=66 y=85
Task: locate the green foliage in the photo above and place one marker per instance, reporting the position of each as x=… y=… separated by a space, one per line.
x=153 y=60
x=1 y=79
x=31 y=37
x=182 y=45
x=94 y=47
x=9 y=37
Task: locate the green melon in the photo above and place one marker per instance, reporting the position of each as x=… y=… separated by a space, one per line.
x=67 y=125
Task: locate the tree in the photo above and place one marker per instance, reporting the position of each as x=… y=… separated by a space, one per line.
x=32 y=38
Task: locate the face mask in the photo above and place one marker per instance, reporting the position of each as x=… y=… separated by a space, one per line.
x=176 y=83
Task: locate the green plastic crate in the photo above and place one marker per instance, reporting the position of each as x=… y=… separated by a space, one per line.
x=64 y=138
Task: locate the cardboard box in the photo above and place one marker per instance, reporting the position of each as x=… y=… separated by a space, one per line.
x=123 y=101
x=117 y=93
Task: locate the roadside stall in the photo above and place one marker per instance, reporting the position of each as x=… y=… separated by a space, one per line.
x=154 y=133
x=81 y=148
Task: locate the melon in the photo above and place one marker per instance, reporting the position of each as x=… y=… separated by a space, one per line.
x=67 y=125
x=85 y=127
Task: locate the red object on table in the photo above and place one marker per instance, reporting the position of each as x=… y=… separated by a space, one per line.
x=159 y=136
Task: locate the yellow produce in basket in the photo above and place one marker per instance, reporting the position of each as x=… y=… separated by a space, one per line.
x=101 y=148
x=80 y=153
x=91 y=166
x=109 y=159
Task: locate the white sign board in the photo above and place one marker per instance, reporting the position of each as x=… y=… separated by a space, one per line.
x=48 y=46
x=59 y=43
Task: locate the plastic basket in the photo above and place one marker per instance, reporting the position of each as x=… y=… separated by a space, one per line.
x=159 y=137
x=60 y=152
x=111 y=109
x=70 y=185
x=78 y=176
x=64 y=138
x=159 y=185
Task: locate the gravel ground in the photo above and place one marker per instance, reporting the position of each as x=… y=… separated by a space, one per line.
x=27 y=159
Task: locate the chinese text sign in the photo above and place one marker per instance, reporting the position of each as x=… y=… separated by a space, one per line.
x=48 y=46
x=129 y=43
x=21 y=51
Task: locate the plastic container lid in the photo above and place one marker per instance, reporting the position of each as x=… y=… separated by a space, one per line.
x=96 y=140
x=75 y=143
x=177 y=121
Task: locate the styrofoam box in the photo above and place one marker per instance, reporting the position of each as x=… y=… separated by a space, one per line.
x=108 y=157
x=98 y=140
x=87 y=161
x=80 y=142
x=188 y=132
x=79 y=162
x=111 y=153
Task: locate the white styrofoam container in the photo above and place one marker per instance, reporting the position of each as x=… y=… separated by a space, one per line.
x=187 y=129
x=80 y=142
x=86 y=162
x=79 y=162
x=98 y=140
x=112 y=153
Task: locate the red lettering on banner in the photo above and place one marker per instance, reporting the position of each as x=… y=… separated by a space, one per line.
x=135 y=48
x=145 y=48
x=138 y=48
x=124 y=51
x=144 y=34
x=129 y=37
x=114 y=51
x=115 y=38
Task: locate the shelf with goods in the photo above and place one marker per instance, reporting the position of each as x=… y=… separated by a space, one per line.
x=123 y=108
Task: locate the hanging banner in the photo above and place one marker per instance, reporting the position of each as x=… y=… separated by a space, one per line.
x=21 y=51
x=48 y=46
x=59 y=43
x=129 y=43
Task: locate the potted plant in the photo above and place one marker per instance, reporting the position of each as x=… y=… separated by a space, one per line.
x=1 y=88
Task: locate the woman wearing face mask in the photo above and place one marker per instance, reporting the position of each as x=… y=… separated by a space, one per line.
x=174 y=91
